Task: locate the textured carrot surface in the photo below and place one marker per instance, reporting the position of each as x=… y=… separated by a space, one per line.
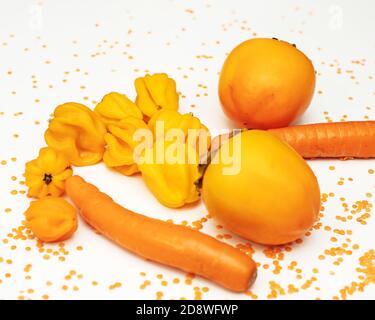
x=163 y=242
x=352 y=139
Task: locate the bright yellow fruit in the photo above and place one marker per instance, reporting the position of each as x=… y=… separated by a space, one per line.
x=274 y=197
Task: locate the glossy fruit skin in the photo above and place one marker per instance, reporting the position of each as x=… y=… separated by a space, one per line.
x=266 y=83
x=273 y=199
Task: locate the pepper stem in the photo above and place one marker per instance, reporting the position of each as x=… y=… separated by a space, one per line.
x=47 y=178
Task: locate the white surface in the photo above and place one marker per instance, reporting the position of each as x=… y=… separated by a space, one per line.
x=98 y=37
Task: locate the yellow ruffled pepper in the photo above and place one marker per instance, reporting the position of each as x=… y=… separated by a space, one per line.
x=46 y=174
x=172 y=180
x=115 y=106
x=51 y=219
x=120 y=145
x=78 y=133
x=193 y=130
x=155 y=92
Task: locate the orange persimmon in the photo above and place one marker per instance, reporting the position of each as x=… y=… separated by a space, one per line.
x=266 y=83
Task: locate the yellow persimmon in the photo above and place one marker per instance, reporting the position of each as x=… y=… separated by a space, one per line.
x=78 y=133
x=51 y=219
x=46 y=174
x=268 y=194
x=155 y=92
x=115 y=106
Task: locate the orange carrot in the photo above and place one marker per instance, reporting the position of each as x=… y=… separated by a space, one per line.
x=354 y=139
x=163 y=242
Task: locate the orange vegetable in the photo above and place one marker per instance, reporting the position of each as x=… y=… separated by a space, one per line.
x=354 y=139
x=45 y=175
x=121 y=143
x=51 y=219
x=166 y=243
x=266 y=83
x=78 y=133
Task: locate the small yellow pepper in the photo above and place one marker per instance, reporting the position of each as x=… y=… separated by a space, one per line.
x=171 y=180
x=115 y=106
x=120 y=144
x=193 y=130
x=46 y=174
x=51 y=219
x=155 y=92
x=78 y=133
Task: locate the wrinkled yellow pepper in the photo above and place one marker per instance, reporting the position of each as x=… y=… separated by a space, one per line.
x=193 y=130
x=46 y=174
x=78 y=133
x=120 y=144
x=51 y=219
x=155 y=92
x=172 y=180
x=115 y=106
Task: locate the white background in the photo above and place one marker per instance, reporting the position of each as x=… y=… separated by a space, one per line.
x=103 y=46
